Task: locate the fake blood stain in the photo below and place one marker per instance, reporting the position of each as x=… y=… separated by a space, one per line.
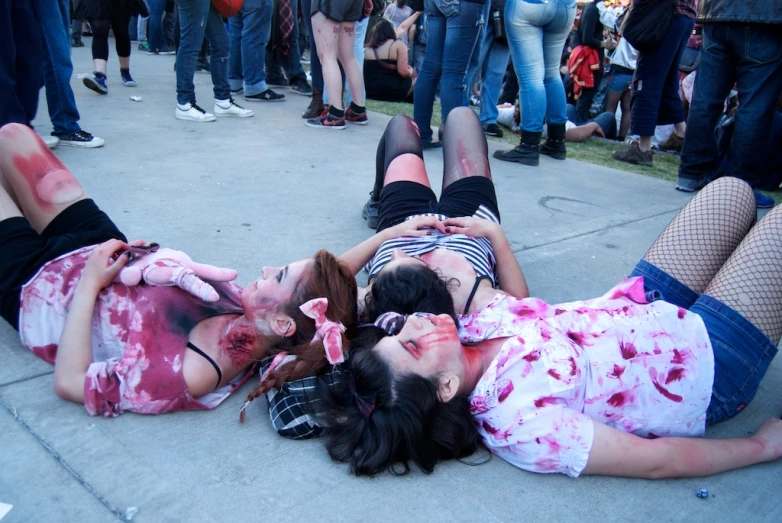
x=628 y=350
x=239 y=345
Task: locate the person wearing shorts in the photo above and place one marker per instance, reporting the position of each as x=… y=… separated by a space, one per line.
x=621 y=83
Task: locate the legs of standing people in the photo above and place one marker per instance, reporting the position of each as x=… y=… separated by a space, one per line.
x=53 y=19
x=462 y=31
x=493 y=70
x=256 y=29
x=331 y=44
x=141 y=31
x=193 y=16
x=356 y=112
x=584 y=102
x=290 y=62
x=619 y=93
x=120 y=18
x=20 y=62
x=156 y=41
x=429 y=76
x=358 y=51
x=537 y=34
x=75 y=29
x=316 y=106
x=655 y=96
x=478 y=57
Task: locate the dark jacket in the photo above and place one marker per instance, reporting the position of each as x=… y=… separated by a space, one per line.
x=590 y=29
x=755 y=11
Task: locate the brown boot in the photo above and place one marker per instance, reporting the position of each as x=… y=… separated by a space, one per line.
x=316 y=106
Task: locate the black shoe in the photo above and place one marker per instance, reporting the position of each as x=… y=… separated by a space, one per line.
x=77 y=43
x=555 y=142
x=81 y=139
x=371 y=212
x=276 y=81
x=203 y=67
x=300 y=86
x=267 y=96
x=493 y=130
x=527 y=152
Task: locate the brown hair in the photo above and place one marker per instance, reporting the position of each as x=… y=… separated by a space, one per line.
x=328 y=278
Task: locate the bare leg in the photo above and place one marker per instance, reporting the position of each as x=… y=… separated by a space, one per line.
x=39 y=182
x=355 y=78
x=327 y=34
x=750 y=282
x=624 y=125
x=699 y=240
x=464 y=147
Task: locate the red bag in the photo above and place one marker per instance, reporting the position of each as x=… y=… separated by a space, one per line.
x=227 y=8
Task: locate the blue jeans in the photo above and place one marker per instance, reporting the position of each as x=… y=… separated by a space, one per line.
x=250 y=32
x=453 y=28
x=493 y=61
x=537 y=31
x=315 y=69
x=358 y=50
x=742 y=353
x=749 y=55
x=655 y=100
x=54 y=19
x=20 y=62
x=155 y=37
x=197 y=18
x=291 y=62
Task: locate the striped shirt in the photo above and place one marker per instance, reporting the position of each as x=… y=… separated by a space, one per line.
x=477 y=251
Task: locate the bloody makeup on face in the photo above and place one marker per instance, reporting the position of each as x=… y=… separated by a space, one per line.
x=427 y=345
x=275 y=286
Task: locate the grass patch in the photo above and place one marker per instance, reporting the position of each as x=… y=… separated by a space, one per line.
x=594 y=150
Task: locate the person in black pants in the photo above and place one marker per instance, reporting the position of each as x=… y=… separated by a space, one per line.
x=590 y=34
x=21 y=62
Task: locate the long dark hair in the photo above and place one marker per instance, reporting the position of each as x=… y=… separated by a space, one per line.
x=408 y=289
x=381 y=33
x=381 y=421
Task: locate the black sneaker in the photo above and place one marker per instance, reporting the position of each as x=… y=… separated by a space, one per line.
x=267 y=96
x=164 y=50
x=76 y=43
x=97 y=82
x=203 y=66
x=300 y=86
x=371 y=212
x=276 y=81
x=493 y=130
x=81 y=139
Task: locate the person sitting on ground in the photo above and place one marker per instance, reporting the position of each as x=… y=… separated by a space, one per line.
x=71 y=287
x=617 y=385
x=603 y=125
x=387 y=75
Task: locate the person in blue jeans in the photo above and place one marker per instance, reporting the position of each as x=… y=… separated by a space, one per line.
x=286 y=56
x=453 y=29
x=54 y=22
x=156 y=42
x=742 y=45
x=655 y=99
x=250 y=30
x=199 y=18
x=536 y=33
x=20 y=79
x=316 y=106
x=493 y=58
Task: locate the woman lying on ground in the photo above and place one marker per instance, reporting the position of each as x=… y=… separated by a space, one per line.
x=146 y=348
x=609 y=386
x=455 y=245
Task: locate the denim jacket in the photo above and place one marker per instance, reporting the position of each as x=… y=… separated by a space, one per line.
x=759 y=11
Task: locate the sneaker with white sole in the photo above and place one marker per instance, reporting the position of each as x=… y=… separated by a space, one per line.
x=191 y=111
x=50 y=141
x=81 y=139
x=231 y=108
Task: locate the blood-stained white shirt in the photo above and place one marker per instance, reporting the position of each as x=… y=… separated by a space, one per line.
x=139 y=336
x=644 y=368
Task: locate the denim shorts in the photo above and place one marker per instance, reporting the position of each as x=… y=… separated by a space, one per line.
x=742 y=353
x=620 y=82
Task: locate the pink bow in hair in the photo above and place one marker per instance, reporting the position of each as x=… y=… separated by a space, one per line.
x=328 y=331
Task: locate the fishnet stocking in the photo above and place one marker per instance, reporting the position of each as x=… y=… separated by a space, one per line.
x=750 y=282
x=704 y=234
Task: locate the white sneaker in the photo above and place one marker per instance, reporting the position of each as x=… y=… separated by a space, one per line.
x=50 y=141
x=231 y=108
x=191 y=111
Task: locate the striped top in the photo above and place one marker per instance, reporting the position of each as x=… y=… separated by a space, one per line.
x=477 y=251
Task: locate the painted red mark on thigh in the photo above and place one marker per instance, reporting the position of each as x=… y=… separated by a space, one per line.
x=49 y=180
x=350 y=30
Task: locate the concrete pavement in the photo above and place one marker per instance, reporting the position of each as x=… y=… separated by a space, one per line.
x=266 y=191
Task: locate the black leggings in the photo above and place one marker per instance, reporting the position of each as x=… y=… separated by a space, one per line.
x=120 y=19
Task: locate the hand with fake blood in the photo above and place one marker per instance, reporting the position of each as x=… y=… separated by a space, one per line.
x=169 y=267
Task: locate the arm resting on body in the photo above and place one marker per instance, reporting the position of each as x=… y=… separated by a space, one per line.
x=617 y=453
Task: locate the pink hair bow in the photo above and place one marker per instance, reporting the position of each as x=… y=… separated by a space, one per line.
x=328 y=331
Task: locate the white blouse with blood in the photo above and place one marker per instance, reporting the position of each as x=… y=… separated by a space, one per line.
x=644 y=368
